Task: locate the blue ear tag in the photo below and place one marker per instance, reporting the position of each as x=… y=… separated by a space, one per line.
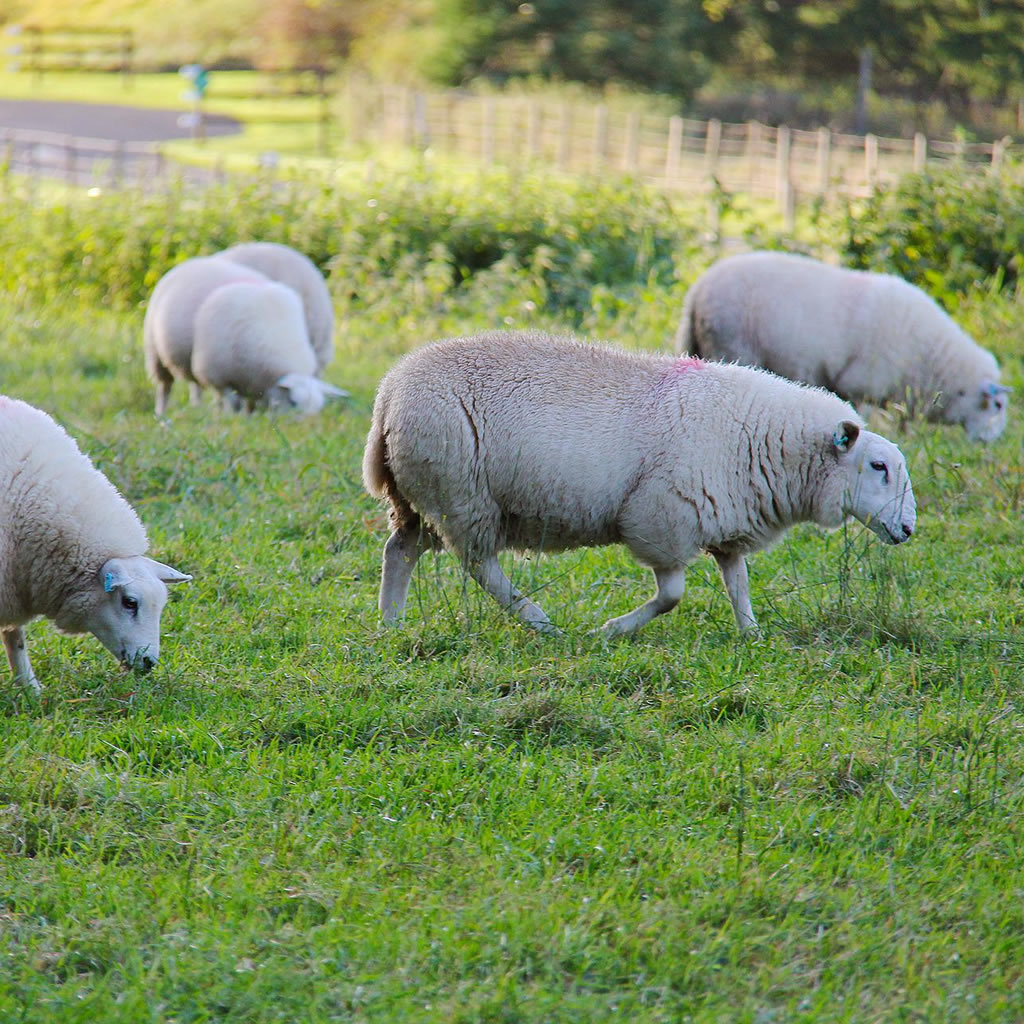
x=840 y=441
x=992 y=389
x=108 y=582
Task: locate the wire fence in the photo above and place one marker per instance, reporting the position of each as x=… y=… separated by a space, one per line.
x=675 y=153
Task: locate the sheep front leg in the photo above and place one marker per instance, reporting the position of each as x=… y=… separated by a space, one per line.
x=671 y=585
x=401 y=552
x=734 y=575
x=492 y=578
x=17 y=656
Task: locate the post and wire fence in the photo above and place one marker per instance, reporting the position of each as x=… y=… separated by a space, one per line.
x=678 y=154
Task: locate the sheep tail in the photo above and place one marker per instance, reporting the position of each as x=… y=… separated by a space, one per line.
x=376 y=471
x=380 y=481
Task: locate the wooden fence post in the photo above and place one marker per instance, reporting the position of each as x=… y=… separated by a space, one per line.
x=753 y=151
x=675 y=140
x=920 y=152
x=871 y=160
x=783 y=156
x=631 y=147
x=712 y=148
x=998 y=151
x=824 y=159
x=600 y=141
x=487 y=139
x=532 y=130
x=564 y=137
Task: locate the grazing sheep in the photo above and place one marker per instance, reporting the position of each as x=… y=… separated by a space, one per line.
x=71 y=548
x=169 y=324
x=298 y=271
x=250 y=341
x=521 y=440
x=866 y=336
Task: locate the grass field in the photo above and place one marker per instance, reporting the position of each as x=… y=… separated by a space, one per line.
x=302 y=816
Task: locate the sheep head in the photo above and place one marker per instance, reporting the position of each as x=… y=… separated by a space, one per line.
x=302 y=393
x=125 y=617
x=876 y=483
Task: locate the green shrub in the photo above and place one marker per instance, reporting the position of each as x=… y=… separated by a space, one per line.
x=944 y=232
x=433 y=232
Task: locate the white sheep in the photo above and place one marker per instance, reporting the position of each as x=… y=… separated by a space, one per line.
x=71 y=548
x=250 y=341
x=866 y=336
x=169 y=324
x=295 y=269
x=169 y=330
x=521 y=440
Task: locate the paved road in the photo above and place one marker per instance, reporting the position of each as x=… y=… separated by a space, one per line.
x=105 y=121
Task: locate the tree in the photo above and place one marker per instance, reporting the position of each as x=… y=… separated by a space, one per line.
x=654 y=44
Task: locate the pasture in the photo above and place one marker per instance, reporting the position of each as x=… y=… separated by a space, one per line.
x=302 y=816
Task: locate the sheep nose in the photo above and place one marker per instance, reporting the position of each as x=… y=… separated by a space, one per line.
x=907 y=530
x=147 y=662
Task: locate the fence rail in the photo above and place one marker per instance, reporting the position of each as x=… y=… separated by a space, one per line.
x=40 y=49
x=675 y=153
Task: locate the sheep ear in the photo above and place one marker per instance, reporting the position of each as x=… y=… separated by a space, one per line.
x=330 y=391
x=167 y=573
x=114 y=575
x=844 y=437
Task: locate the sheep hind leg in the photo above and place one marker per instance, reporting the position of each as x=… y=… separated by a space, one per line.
x=489 y=574
x=737 y=584
x=401 y=552
x=671 y=584
x=17 y=655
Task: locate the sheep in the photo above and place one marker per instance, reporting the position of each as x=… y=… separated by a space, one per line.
x=169 y=330
x=295 y=269
x=168 y=325
x=71 y=548
x=866 y=336
x=524 y=440
x=250 y=340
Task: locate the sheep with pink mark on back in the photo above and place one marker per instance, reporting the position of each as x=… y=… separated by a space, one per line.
x=71 y=548
x=866 y=336
x=527 y=441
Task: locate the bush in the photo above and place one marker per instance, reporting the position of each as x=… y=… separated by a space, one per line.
x=439 y=234
x=944 y=232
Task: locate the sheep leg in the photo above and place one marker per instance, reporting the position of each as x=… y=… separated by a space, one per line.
x=17 y=656
x=671 y=584
x=195 y=392
x=401 y=552
x=734 y=575
x=163 y=393
x=489 y=574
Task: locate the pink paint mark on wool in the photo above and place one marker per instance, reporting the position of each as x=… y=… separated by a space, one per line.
x=684 y=364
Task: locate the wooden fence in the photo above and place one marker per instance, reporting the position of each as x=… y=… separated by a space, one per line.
x=39 y=49
x=89 y=162
x=675 y=153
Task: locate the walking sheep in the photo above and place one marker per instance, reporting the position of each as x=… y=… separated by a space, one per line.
x=187 y=293
x=295 y=269
x=522 y=440
x=866 y=336
x=71 y=548
x=251 y=341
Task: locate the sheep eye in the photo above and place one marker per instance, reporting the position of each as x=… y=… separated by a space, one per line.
x=882 y=468
x=130 y=604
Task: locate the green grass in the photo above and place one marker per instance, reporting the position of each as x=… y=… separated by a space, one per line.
x=302 y=816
